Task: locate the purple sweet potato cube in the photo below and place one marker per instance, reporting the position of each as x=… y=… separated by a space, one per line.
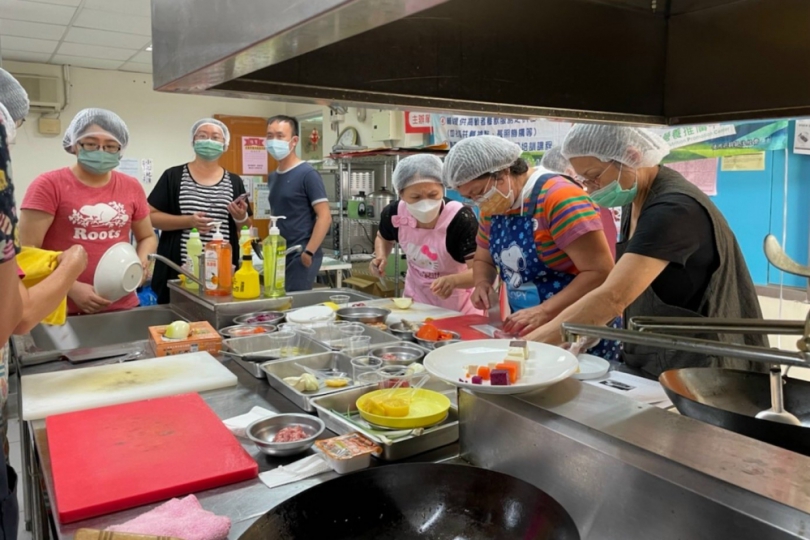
x=499 y=377
x=477 y=380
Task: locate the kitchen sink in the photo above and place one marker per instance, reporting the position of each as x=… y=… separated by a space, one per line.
x=115 y=333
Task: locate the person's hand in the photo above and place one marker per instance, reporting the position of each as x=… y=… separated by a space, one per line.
x=238 y=210
x=145 y=263
x=377 y=266
x=86 y=299
x=199 y=221
x=444 y=286
x=74 y=259
x=306 y=260
x=524 y=321
x=480 y=296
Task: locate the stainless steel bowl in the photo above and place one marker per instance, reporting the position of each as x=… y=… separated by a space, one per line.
x=236 y=330
x=405 y=353
x=401 y=332
x=438 y=344
x=430 y=344
x=363 y=314
x=271 y=317
x=262 y=432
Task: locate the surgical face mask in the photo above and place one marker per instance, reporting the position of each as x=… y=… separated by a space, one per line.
x=612 y=195
x=425 y=210
x=493 y=202
x=209 y=150
x=98 y=161
x=277 y=148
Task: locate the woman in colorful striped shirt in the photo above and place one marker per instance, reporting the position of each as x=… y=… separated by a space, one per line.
x=538 y=230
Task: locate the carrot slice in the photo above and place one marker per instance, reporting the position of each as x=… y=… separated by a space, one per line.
x=483 y=372
x=511 y=369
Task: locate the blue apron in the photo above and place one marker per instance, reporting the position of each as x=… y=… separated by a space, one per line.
x=529 y=282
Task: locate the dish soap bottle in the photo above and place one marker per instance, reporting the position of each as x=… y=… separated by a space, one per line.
x=218 y=273
x=246 y=279
x=194 y=248
x=275 y=261
x=244 y=236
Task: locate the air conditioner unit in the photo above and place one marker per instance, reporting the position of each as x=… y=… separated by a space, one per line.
x=43 y=91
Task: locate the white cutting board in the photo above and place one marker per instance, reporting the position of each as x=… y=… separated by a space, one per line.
x=46 y=394
x=416 y=313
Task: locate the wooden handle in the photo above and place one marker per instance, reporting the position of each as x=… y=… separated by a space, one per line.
x=95 y=534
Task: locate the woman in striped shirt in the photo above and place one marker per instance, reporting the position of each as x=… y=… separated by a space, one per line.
x=197 y=195
x=538 y=230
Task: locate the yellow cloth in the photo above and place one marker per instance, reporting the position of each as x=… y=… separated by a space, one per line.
x=37 y=264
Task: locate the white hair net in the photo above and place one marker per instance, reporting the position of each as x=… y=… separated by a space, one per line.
x=554 y=161
x=472 y=157
x=108 y=122
x=8 y=124
x=417 y=169
x=634 y=147
x=213 y=122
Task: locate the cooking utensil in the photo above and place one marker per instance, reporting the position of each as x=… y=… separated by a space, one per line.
x=399 y=354
x=777 y=412
x=263 y=432
x=277 y=371
x=260 y=317
x=494 y=311
x=731 y=399
x=245 y=330
x=465 y=325
x=376 y=201
x=154 y=449
x=46 y=394
x=401 y=331
x=423 y=500
x=118 y=273
x=363 y=314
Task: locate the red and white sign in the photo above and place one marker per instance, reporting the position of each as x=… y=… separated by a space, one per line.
x=417 y=122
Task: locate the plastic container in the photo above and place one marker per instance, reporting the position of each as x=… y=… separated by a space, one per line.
x=194 y=248
x=246 y=283
x=218 y=265
x=347 y=453
x=275 y=261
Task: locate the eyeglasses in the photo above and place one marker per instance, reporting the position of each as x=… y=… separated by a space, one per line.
x=591 y=184
x=205 y=137
x=110 y=148
x=481 y=195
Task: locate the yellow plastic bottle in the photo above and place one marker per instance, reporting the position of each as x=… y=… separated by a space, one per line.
x=194 y=249
x=218 y=265
x=246 y=279
x=275 y=261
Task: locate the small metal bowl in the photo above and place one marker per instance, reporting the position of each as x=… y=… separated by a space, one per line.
x=238 y=330
x=406 y=354
x=438 y=344
x=401 y=331
x=363 y=314
x=269 y=317
x=262 y=432
x=430 y=344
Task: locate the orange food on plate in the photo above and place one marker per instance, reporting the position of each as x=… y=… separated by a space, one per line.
x=511 y=369
x=429 y=332
x=444 y=336
x=483 y=372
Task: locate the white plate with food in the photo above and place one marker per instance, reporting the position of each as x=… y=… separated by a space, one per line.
x=476 y=365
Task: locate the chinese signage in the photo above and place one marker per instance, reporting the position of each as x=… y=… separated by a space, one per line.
x=747 y=138
x=254 y=156
x=684 y=136
x=533 y=135
x=416 y=122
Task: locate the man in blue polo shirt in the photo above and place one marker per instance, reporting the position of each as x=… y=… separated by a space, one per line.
x=297 y=192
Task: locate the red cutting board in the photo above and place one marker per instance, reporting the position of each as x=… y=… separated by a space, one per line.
x=462 y=325
x=109 y=459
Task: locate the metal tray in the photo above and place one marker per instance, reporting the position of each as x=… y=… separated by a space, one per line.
x=443 y=434
x=276 y=371
x=378 y=337
x=257 y=345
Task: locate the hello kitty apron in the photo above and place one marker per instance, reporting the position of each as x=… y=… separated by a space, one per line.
x=428 y=259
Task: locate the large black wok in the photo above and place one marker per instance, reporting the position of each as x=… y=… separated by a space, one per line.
x=419 y=501
x=731 y=399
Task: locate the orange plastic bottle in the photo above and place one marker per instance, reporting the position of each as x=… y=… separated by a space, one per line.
x=218 y=265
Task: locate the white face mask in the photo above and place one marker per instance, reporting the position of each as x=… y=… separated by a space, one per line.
x=425 y=210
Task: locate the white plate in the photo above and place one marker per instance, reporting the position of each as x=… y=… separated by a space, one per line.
x=591 y=367
x=547 y=364
x=310 y=315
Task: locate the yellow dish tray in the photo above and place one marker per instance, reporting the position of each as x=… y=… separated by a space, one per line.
x=427 y=408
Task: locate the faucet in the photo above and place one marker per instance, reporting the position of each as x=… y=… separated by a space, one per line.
x=257 y=249
x=178 y=268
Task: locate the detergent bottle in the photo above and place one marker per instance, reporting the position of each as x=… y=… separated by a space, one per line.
x=194 y=248
x=275 y=261
x=244 y=236
x=218 y=265
x=246 y=279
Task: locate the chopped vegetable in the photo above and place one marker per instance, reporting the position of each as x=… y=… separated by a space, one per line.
x=511 y=369
x=428 y=332
x=483 y=372
x=415 y=368
x=305 y=383
x=499 y=377
x=337 y=382
x=477 y=380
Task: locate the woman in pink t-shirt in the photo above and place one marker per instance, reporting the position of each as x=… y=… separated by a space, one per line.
x=89 y=204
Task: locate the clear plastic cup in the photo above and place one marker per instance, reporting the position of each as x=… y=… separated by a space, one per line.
x=365 y=364
x=282 y=342
x=289 y=326
x=387 y=377
x=358 y=345
x=331 y=335
x=339 y=299
x=351 y=330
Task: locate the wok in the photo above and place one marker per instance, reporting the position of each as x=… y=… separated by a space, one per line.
x=731 y=399
x=418 y=501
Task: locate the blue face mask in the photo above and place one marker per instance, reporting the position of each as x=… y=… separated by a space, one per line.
x=277 y=148
x=613 y=196
x=98 y=161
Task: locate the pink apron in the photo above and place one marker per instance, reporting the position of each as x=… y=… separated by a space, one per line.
x=429 y=260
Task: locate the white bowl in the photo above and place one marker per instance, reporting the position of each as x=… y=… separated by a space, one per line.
x=119 y=272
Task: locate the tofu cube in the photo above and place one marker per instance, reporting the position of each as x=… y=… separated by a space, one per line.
x=472 y=370
x=518 y=349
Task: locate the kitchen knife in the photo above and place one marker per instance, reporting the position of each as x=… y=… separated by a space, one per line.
x=494 y=311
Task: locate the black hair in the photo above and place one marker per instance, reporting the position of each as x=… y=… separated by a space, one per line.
x=284 y=118
x=517 y=168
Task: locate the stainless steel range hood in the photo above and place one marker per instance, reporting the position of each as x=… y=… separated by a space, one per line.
x=633 y=61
